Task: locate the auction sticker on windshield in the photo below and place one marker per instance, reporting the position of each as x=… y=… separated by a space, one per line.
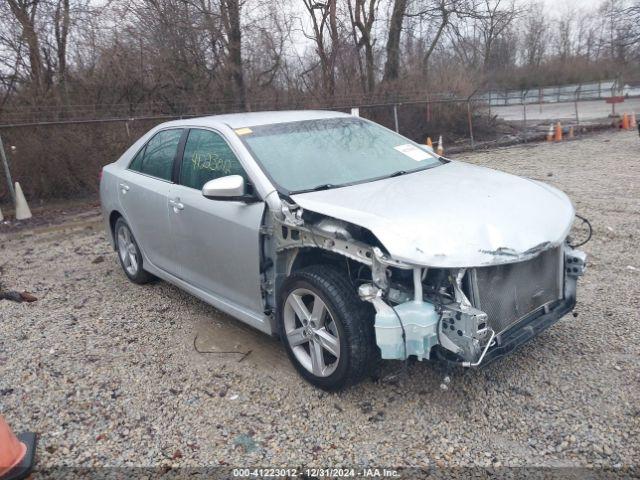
x=412 y=152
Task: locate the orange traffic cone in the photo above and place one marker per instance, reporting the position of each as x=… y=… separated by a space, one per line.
x=440 y=149
x=16 y=456
x=558 y=135
x=429 y=143
x=633 y=123
x=625 y=122
x=571 y=134
x=550 y=133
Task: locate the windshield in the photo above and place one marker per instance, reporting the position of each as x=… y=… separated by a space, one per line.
x=319 y=154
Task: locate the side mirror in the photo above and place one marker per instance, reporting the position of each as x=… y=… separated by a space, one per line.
x=230 y=188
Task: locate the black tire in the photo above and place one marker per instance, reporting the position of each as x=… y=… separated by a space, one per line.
x=354 y=319
x=141 y=276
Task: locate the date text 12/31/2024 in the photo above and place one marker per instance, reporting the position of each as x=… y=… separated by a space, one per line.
x=316 y=472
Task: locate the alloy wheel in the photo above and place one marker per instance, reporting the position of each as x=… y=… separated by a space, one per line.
x=311 y=332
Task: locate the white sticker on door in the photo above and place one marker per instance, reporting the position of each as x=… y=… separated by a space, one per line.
x=412 y=152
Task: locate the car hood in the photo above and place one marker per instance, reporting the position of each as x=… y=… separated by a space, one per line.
x=453 y=215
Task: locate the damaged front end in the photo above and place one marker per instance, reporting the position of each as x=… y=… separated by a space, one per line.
x=470 y=316
x=463 y=315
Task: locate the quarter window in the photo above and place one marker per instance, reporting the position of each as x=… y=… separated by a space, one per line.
x=136 y=164
x=207 y=156
x=156 y=158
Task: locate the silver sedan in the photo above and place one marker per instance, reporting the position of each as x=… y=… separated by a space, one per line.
x=348 y=241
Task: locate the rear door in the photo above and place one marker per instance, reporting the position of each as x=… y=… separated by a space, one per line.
x=144 y=191
x=217 y=242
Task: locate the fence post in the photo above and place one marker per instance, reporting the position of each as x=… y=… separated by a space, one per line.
x=7 y=172
x=540 y=98
x=576 y=97
x=524 y=115
x=395 y=116
x=470 y=122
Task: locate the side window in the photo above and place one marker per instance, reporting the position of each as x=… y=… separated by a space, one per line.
x=136 y=164
x=207 y=156
x=156 y=158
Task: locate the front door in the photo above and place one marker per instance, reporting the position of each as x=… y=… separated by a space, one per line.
x=217 y=242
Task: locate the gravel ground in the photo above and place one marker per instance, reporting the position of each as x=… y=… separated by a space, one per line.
x=106 y=370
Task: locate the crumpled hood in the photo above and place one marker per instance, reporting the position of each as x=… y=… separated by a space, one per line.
x=453 y=215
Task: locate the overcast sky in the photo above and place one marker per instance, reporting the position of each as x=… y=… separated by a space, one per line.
x=560 y=6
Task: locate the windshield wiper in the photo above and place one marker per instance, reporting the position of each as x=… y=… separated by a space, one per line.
x=317 y=188
x=397 y=174
x=324 y=186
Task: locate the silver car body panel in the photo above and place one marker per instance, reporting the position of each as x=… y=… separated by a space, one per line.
x=218 y=246
x=144 y=203
x=234 y=255
x=454 y=215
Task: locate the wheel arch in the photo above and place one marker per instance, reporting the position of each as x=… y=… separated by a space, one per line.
x=308 y=256
x=296 y=259
x=113 y=218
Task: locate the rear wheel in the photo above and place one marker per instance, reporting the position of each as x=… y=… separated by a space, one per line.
x=129 y=254
x=326 y=329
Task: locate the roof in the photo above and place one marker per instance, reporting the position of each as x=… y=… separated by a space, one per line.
x=252 y=119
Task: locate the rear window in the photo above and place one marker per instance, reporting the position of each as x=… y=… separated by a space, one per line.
x=156 y=158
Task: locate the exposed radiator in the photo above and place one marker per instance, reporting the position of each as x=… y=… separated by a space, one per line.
x=507 y=293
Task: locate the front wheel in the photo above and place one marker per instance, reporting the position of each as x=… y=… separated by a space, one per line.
x=326 y=329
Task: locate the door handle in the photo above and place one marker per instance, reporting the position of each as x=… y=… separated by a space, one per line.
x=124 y=187
x=176 y=205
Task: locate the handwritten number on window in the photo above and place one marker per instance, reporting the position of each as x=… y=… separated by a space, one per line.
x=210 y=161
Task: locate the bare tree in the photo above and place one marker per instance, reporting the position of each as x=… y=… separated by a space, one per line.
x=230 y=11
x=62 y=19
x=25 y=12
x=441 y=12
x=495 y=20
x=266 y=60
x=535 y=33
x=621 y=32
x=362 y=14
x=325 y=36
x=172 y=55
x=633 y=14
x=392 y=65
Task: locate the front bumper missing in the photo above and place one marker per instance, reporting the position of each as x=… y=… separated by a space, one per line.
x=531 y=326
x=521 y=333
x=415 y=328
x=514 y=337
x=537 y=322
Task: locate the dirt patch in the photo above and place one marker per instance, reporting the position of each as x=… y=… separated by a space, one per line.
x=51 y=216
